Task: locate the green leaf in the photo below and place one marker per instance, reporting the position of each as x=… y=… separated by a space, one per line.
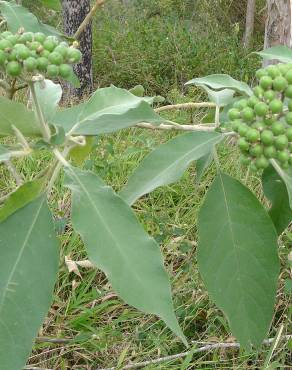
x=275 y=190
x=49 y=95
x=286 y=176
x=14 y=113
x=220 y=82
x=221 y=97
x=238 y=258
x=281 y=53
x=108 y=110
x=4 y=153
x=118 y=245
x=167 y=163
x=25 y=194
x=18 y=17
x=202 y=164
x=51 y=4
x=28 y=270
x=78 y=154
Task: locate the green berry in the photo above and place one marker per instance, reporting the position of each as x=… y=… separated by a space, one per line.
x=49 y=44
x=266 y=82
x=252 y=101
x=269 y=95
x=52 y=70
x=34 y=45
x=244 y=160
x=5 y=44
x=283 y=156
x=2 y=57
x=280 y=83
x=273 y=71
x=247 y=114
x=259 y=125
x=276 y=106
x=26 y=37
x=55 y=58
x=283 y=68
x=233 y=114
x=22 y=53
x=65 y=70
x=281 y=142
x=270 y=151
x=13 y=39
x=235 y=124
x=6 y=34
x=253 y=167
x=261 y=163
x=288 y=118
x=74 y=55
x=288 y=133
x=256 y=150
x=261 y=109
x=30 y=64
x=12 y=55
x=288 y=91
x=42 y=64
x=260 y=73
x=243 y=144
x=258 y=91
x=278 y=128
x=288 y=76
x=45 y=53
x=267 y=137
x=13 y=69
x=252 y=135
x=63 y=50
x=268 y=121
x=242 y=129
x=40 y=37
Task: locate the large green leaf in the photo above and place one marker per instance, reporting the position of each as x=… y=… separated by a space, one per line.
x=221 y=97
x=220 y=82
x=286 y=176
x=28 y=269
x=49 y=95
x=14 y=113
x=238 y=258
x=4 y=153
x=21 y=197
x=18 y=17
x=109 y=109
x=202 y=165
x=281 y=52
x=118 y=244
x=276 y=191
x=167 y=163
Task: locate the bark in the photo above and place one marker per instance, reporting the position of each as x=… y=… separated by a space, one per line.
x=74 y=12
x=249 y=23
x=278 y=23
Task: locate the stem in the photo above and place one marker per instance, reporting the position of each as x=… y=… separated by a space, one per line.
x=43 y=125
x=88 y=18
x=217 y=116
x=177 y=127
x=61 y=161
x=185 y=106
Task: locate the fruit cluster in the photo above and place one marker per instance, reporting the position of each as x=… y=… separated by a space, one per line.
x=35 y=53
x=264 y=121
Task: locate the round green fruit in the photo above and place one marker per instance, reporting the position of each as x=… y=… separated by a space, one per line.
x=74 y=55
x=247 y=114
x=281 y=142
x=13 y=69
x=6 y=34
x=288 y=133
x=40 y=37
x=242 y=129
x=288 y=118
x=235 y=124
x=273 y=71
x=65 y=70
x=276 y=106
x=2 y=57
x=5 y=44
x=288 y=92
x=45 y=53
x=52 y=70
x=268 y=121
x=244 y=160
x=278 y=128
x=243 y=144
x=266 y=82
x=30 y=64
x=283 y=156
x=55 y=58
x=267 y=137
x=233 y=114
x=283 y=68
x=270 y=151
x=22 y=53
x=261 y=73
x=288 y=76
x=26 y=37
x=269 y=95
x=12 y=55
x=259 y=125
x=42 y=64
x=261 y=163
x=49 y=44
x=13 y=39
x=280 y=83
x=252 y=135
x=252 y=101
x=258 y=91
x=261 y=109
x=256 y=150
x=63 y=50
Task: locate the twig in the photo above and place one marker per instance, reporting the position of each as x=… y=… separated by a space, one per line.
x=53 y=340
x=88 y=18
x=185 y=106
x=13 y=171
x=184 y=354
x=177 y=127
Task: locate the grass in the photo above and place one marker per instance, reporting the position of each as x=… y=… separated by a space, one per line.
x=108 y=333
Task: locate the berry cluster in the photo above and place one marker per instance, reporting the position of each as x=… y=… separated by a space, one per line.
x=35 y=53
x=264 y=121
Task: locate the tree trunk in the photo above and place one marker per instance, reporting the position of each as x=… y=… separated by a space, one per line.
x=74 y=12
x=249 y=23
x=278 y=23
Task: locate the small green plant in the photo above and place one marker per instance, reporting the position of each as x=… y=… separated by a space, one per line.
x=238 y=236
